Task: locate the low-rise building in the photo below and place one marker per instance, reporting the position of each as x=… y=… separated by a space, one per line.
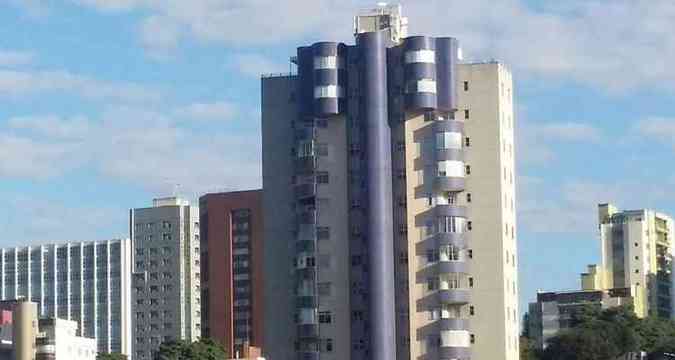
x=554 y=311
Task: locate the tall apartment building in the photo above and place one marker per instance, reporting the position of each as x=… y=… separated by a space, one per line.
x=389 y=201
x=232 y=269
x=166 y=290
x=637 y=251
x=87 y=282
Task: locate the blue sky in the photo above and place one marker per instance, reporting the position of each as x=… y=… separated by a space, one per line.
x=105 y=104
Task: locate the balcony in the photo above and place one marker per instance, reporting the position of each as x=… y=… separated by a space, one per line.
x=304 y=191
x=308 y=331
x=305 y=165
x=442 y=267
x=442 y=324
x=447 y=183
x=308 y=355
x=434 y=300
x=307 y=217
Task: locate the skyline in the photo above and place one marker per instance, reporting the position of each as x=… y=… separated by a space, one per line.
x=60 y=109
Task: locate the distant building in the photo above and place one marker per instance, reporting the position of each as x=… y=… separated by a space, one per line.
x=232 y=269
x=637 y=251
x=58 y=340
x=87 y=282
x=166 y=285
x=24 y=337
x=554 y=311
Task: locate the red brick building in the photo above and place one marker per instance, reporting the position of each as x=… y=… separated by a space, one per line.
x=231 y=226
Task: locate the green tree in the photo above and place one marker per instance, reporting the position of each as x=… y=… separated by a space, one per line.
x=205 y=349
x=110 y=356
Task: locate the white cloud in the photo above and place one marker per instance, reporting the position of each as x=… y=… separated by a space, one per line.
x=570 y=206
x=535 y=139
x=142 y=147
x=10 y=58
x=570 y=131
x=662 y=129
x=615 y=45
x=254 y=65
x=160 y=35
x=208 y=111
x=16 y=83
x=52 y=126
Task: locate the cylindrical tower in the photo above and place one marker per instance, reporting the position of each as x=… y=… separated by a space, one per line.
x=373 y=49
x=24 y=330
x=446 y=73
x=328 y=78
x=419 y=58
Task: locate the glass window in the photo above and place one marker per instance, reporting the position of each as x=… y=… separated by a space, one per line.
x=451 y=168
x=449 y=140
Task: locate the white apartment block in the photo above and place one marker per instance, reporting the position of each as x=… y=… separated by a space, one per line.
x=87 y=282
x=166 y=288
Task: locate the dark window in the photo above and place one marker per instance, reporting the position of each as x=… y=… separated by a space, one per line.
x=467 y=141
x=470 y=282
x=466 y=86
x=472 y=310
x=322 y=177
x=469 y=225
x=468 y=169
x=466 y=114
x=468 y=197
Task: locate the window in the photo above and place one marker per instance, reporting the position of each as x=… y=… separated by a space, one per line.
x=470 y=254
x=466 y=86
x=469 y=225
x=467 y=141
x=322 y=233
x=451 y=224
x=468 y=170
x=473 y=338
x=166 y=237
x=322 y=177
x=448 y=140
x=450 y=168
x=328 y=345
x=325 y=317
x=466 y=114
x=468 y=197
x=432 y=284
x=470 y=282
x=472 y=310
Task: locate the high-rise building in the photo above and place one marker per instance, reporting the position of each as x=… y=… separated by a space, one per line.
x=166 y=290
x=231 y=269
x=389 y=201
x=637 y=251
x=87 y=282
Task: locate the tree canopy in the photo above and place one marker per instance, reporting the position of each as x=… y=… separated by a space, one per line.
x=606 y=334
x=110 y=356
x=204 y=349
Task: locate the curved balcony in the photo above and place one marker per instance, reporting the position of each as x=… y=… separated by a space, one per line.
x=450 y=154
x=306 y=302
x=442 y=267
x=449 y=296
x=450 y=210
x=305 y=165
x=447 y=183
x=454 y=352
x=449 y=126
x=308 y=355
x=308 y=331
x=442 y=324
x=437 y=240
x=304 y=191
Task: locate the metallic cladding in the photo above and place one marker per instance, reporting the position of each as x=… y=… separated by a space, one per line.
x=447 y=52
x=373 y=48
